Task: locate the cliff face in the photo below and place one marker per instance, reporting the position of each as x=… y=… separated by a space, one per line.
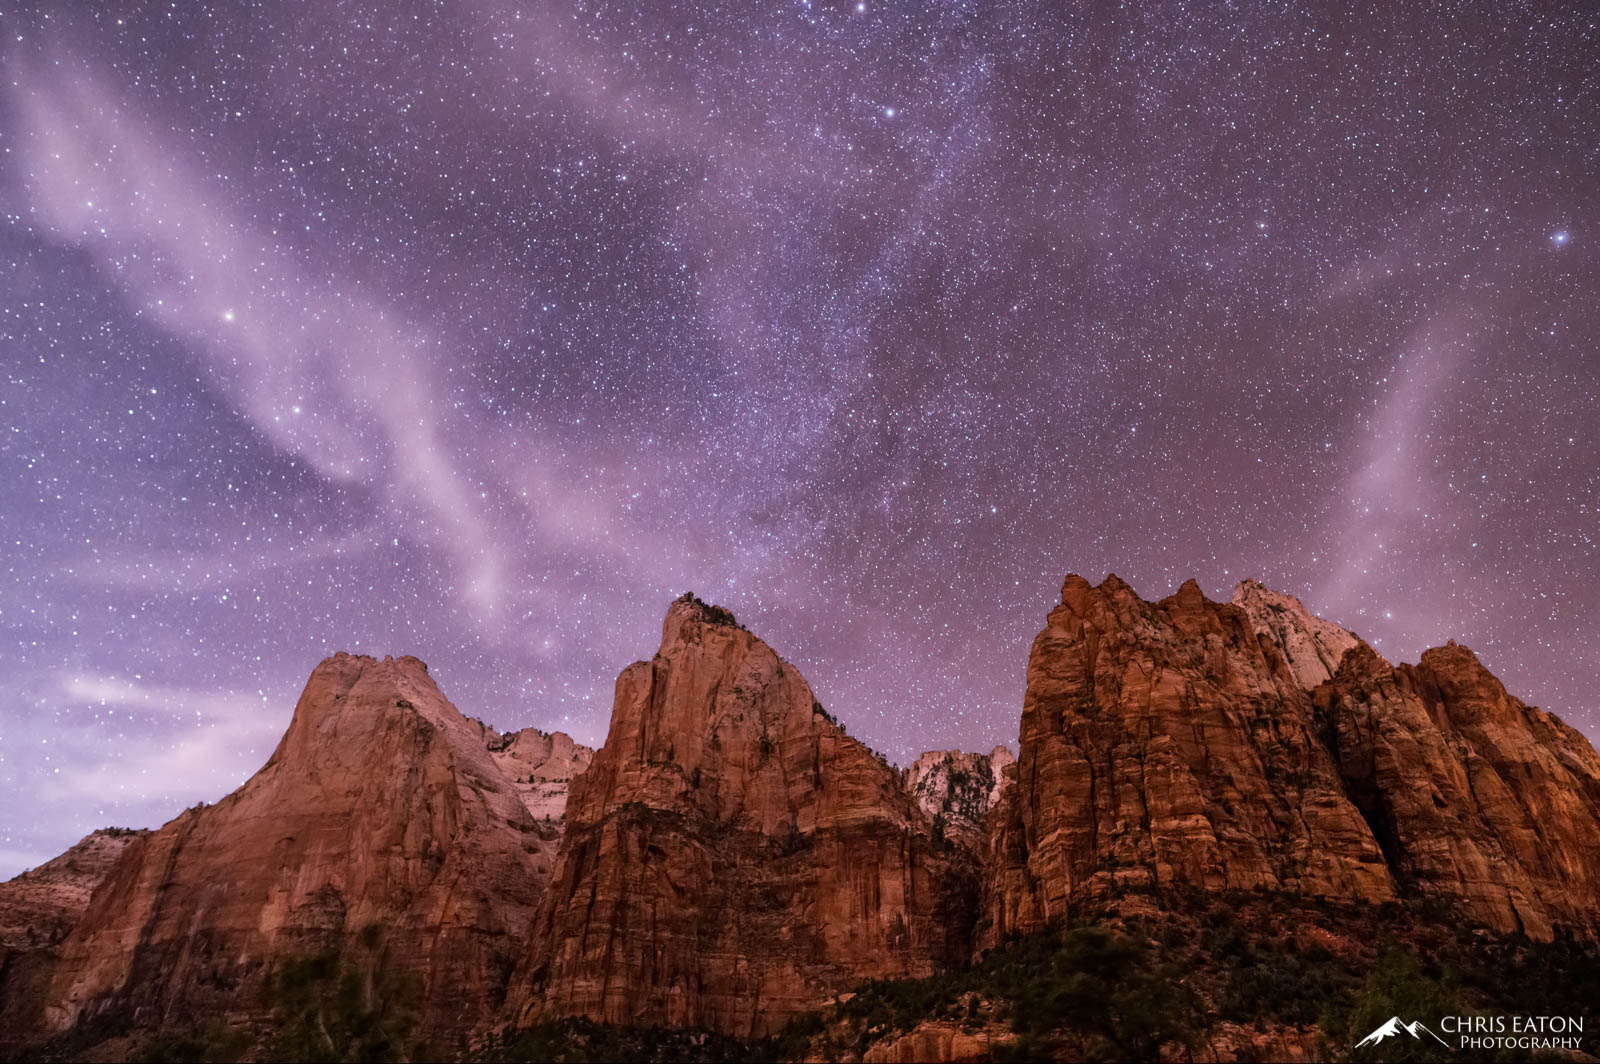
x=732 y=858
x=1166 y=745
x=1175 y=744
x=1312 y=646
x=541 y=766
x=1477 y=799
x=381 y=814
x=37 y=910
x=956 y=790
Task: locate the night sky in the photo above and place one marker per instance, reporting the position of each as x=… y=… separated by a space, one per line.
x=480 y=332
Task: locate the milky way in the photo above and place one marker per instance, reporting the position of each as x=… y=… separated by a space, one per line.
x=480 y=332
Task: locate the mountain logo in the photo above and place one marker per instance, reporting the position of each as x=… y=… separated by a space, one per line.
x=1395 y=1026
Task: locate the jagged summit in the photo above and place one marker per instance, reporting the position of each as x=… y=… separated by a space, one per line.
x=688 y=604
x=381 y=807
x=732 y=858
x=1313 y=646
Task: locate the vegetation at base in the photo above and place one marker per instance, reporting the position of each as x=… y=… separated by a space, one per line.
x=1183 y=971
x=213 y=1042
x=561 y=1041
x=329 y=1006
x=1087 y=992
x=1398 y=986
x=1119 y=987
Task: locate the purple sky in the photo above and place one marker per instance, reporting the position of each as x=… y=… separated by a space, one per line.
x=479 y=333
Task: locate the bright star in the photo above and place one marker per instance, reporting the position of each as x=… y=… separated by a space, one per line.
x=888 y=112
x=1560 y=237
x=227 y=315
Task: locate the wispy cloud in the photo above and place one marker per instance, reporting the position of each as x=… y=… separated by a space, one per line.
x=1392 y=502
x=327 y=372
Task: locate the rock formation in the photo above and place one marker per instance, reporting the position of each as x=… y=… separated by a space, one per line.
x=1312 y=646
x=732 y=858
x=1476 y=798
x=37 y=910
x=541 y=766
x=957 y=789
x=1175 y=745
x=941 y=1042
x=381 y=814
x=1163 y=745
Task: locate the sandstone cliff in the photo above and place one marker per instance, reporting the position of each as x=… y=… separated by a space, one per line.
x=1165 y=745
x=541 y=765
x=956 y=789
x=1476 y=798
x=381 y=814
x=1312 y=646
x=37 y=910
x=732 y=858
x=1175 y=744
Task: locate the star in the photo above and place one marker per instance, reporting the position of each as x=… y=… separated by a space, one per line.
x=584 y=315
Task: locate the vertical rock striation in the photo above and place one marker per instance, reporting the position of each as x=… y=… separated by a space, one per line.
x=1477 y=799
x=380 y=811
x=1164 y=745
x=732 y=858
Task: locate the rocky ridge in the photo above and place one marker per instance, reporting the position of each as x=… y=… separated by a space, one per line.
x=732 y=858
x=37 y=910
x=382 y=817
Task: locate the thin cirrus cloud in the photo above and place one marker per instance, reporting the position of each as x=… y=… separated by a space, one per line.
x=1392 y=501
x=177 y=746
x=315 y=367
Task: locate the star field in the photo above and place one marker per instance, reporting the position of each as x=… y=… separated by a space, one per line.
x=480 y=331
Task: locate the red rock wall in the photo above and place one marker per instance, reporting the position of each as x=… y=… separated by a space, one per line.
x=732 y=858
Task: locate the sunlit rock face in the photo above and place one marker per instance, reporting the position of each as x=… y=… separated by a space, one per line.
x=957 y=789
x=1312 y=646
x=541 y=766
x=1477 y=799
x=1165 y=745
x=381 y=811
x=732 y=858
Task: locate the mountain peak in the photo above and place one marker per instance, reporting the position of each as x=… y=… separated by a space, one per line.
x=1312 y=646
x=721 y=786
x=381 y=807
